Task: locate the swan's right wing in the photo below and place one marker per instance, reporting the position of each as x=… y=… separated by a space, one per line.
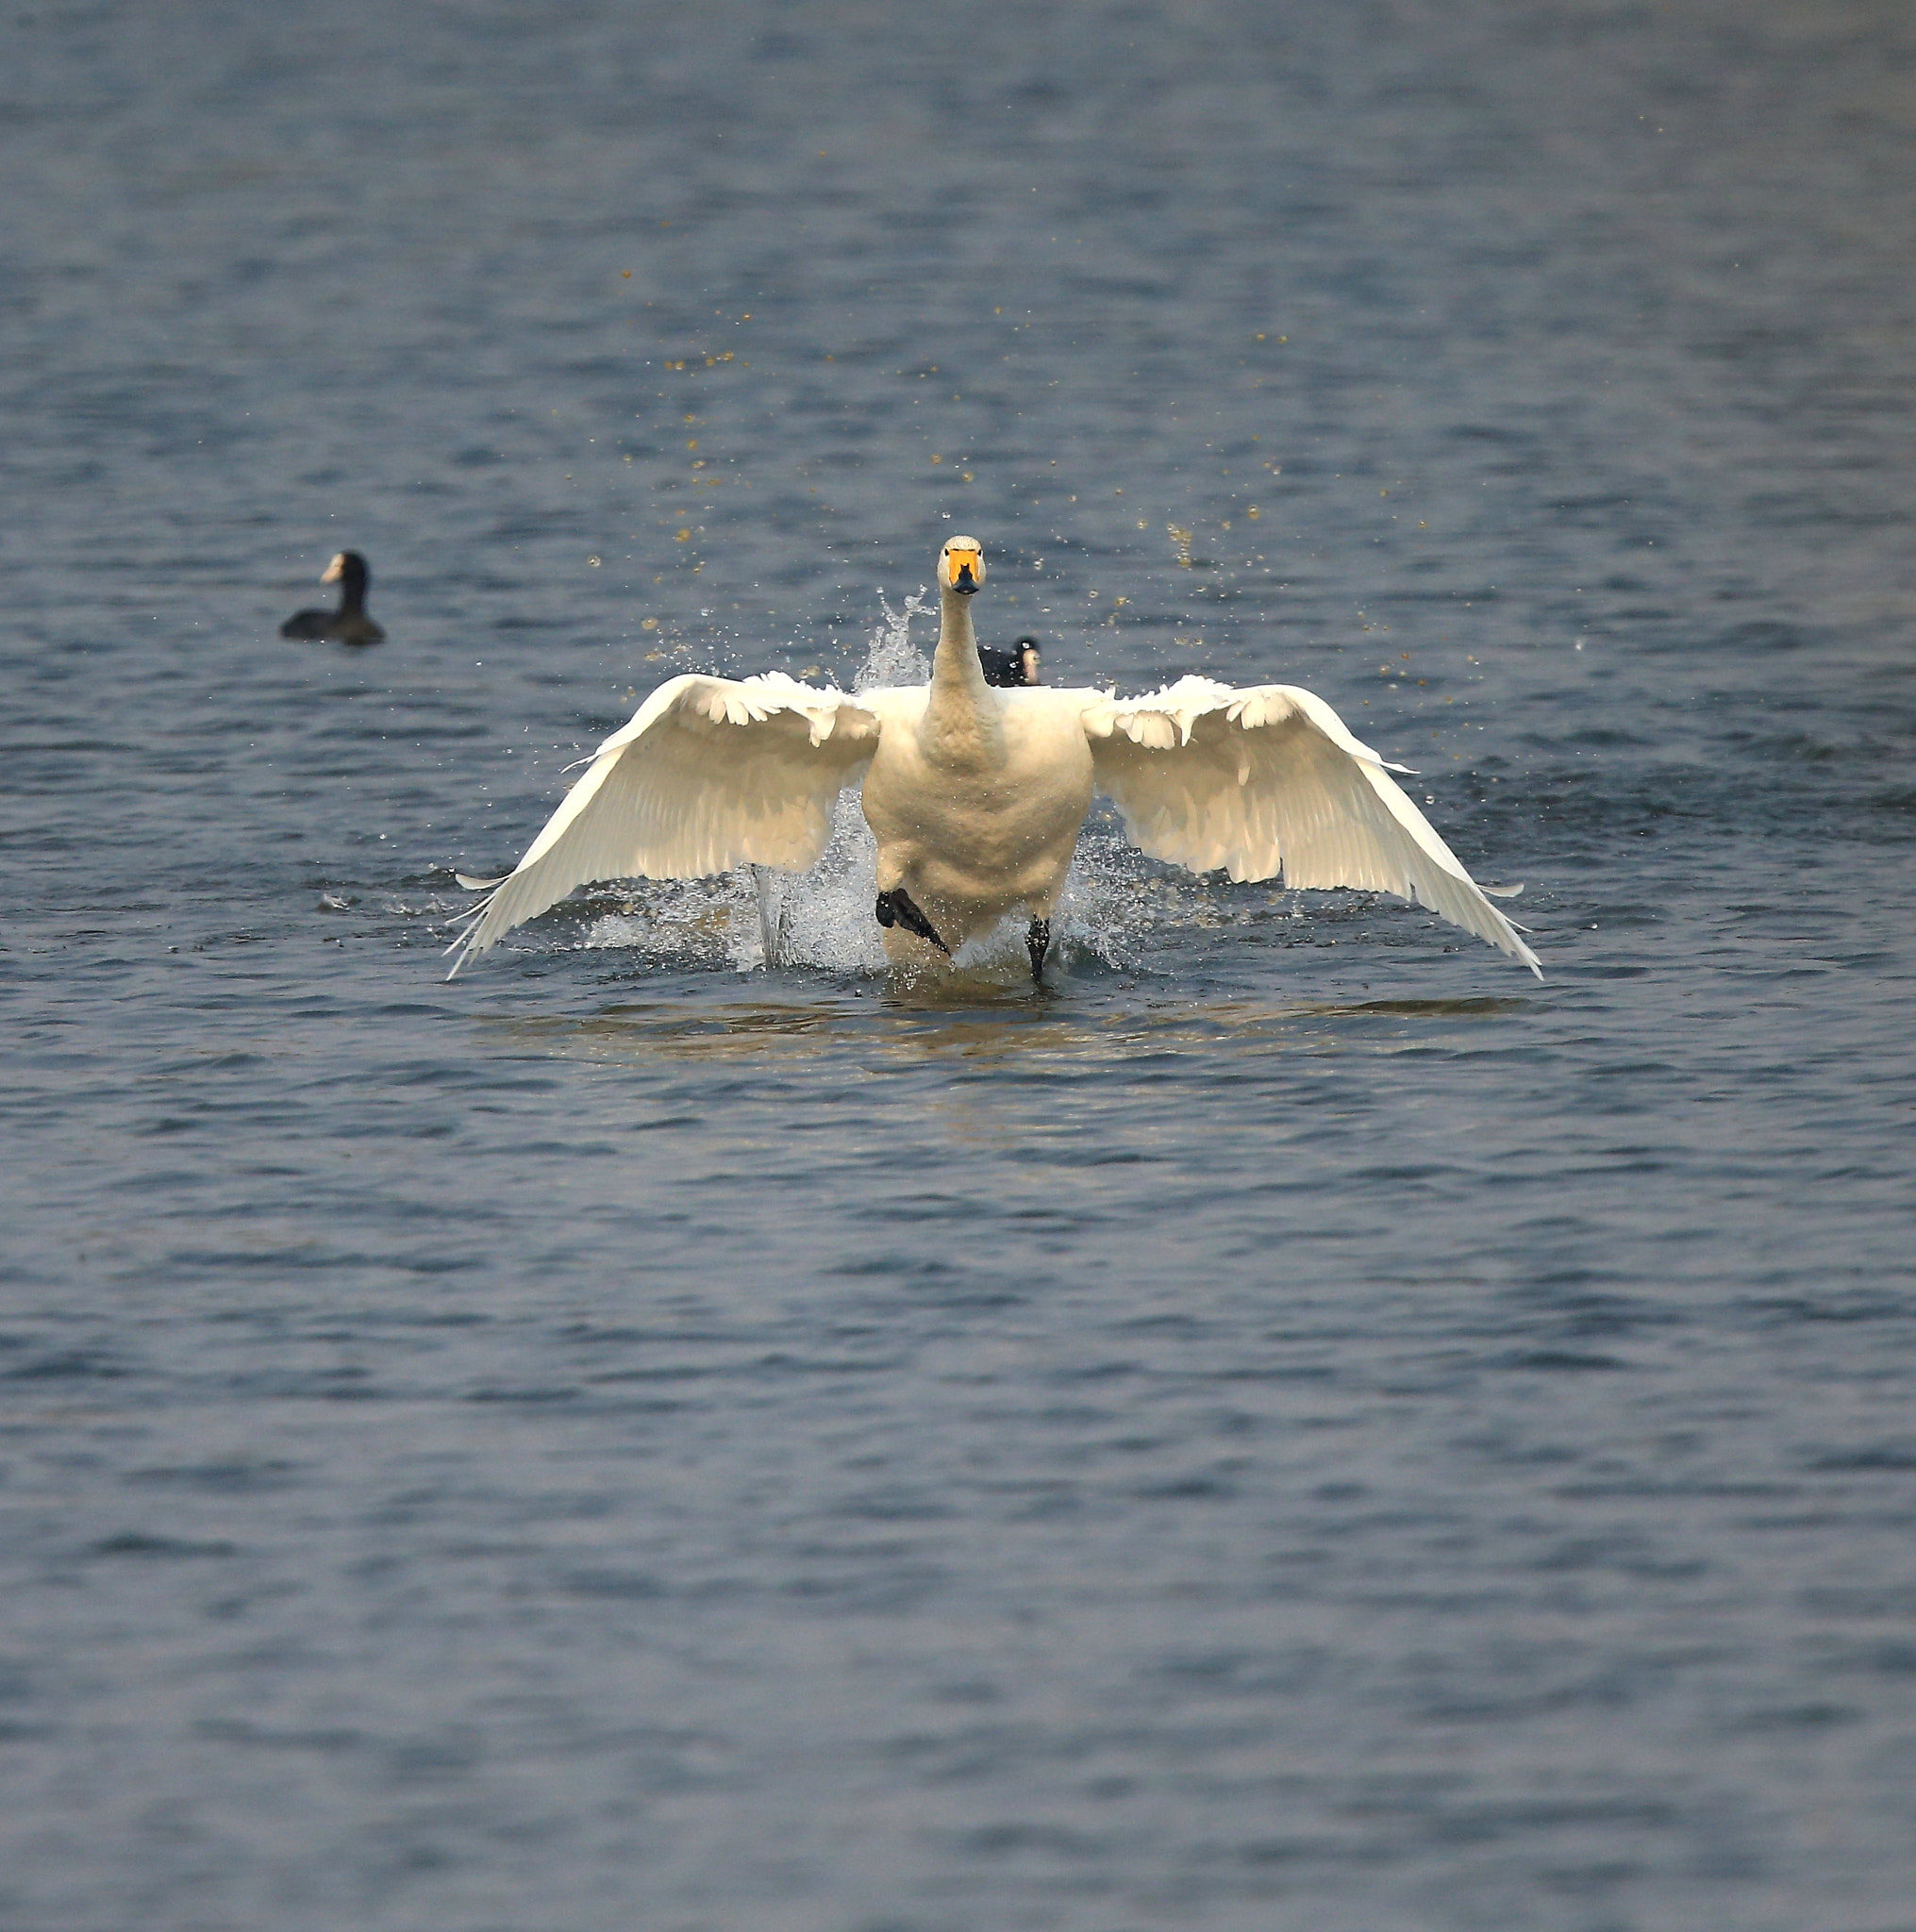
x=1267 y=779
x=711 y=772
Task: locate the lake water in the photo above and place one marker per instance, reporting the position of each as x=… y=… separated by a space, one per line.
x=1298 y=1425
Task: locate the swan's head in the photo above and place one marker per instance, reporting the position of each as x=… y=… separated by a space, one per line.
x=347 y=568
x=961 y=565
x=1028 y=659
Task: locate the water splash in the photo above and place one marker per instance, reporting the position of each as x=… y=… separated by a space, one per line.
x=823 y=918
x=891 y=658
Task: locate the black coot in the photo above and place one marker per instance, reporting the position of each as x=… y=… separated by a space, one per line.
x=1008 y=669
x=349 y=623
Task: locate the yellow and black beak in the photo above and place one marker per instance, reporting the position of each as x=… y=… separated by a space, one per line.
x=961 y=566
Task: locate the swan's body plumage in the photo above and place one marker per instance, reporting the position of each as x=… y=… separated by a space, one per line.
x=975 y=826
x=976 y=795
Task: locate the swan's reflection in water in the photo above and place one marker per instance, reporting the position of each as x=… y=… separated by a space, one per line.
x=1015 y=1030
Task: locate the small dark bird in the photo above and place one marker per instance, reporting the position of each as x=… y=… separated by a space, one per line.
x=1008 y=669
x=349 y=623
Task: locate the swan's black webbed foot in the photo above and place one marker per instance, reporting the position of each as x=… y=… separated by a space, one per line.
x=1038 y=943
x=896 y=909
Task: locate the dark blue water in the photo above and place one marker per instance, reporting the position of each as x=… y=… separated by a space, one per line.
x=1296 y=1426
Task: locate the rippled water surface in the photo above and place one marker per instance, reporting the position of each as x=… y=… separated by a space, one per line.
x=1297 y=1426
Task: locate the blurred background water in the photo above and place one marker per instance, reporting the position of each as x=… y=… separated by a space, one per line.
x=1296 y=1426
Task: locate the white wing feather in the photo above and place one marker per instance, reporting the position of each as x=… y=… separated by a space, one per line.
x=1269 y=779
x=711 y=772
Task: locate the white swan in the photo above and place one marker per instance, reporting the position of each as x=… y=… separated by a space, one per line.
x=976 y=795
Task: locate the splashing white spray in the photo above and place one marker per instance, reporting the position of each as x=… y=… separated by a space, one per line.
x=891 y=658
x=823 y=918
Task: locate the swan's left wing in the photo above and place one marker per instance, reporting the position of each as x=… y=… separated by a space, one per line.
x=1268 y=779
x=711 y=772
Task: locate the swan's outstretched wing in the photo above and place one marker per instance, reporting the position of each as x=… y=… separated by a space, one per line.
x=1268 y=779
x=711 y=772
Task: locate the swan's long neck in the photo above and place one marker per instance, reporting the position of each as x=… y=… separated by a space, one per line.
x=963 y=726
